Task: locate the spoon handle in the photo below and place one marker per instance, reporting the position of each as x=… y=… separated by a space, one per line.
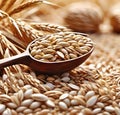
x=22 y=58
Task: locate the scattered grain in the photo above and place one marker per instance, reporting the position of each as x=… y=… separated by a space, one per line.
x=91 y=101
x=89 y=94
x=39 y=97
x=50 y=103
x=63 y=96
x=7 y=112
x=11 y=105
x=73 y=86
x=2 y=108
x=63 y=106
x=21 y=108
x=28 y=93
x=26 y=102
x=74 y=102
x=35 y=105
x=27 y=111
x=97 y=110
x=109 y=108
x=43 y=112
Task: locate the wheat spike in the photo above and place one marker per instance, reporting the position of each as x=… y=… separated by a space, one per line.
x=2 y=4
x=9 y=5
x=27 y=5
x=28 y=32
x=51 y=28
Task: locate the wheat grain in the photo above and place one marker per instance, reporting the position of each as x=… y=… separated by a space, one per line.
x=12 y=105
x=50 y=103
x=2 y=108
x=27 y=102
x=91 y=101
x=92 y=88
x=21 y=108
x=61 y=41
x=73 y=86
x=63 y=106
x=39 y=97
x=35 y=105
x=7 y=112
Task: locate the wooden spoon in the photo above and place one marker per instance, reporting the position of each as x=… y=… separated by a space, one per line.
x=44 y=67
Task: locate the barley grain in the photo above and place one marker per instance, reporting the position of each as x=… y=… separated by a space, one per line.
x=109 y=108
x=66 y=79
x=7 y=112
x=35 y=105
x=117 y=110
x=74 y=102
x=21 y=108
x=11 y=105
x=67 y=101
x=98 y=76
x=28 y=93
x=5 y=98
x=2 y=108
x=91 y=101
x=15 y=100
x=27 y=111
x=50 y=103
x=63 y=106
x=43 y=112
x=50 y=86
x=97 y=110
x=63 y=96
x=14 y=112
x=86 y=111
x=26 y=102
x=60 y=48
x=89 y=94
x=73 y=93
x=101 y=105
x=39 y=97
x=73 y=86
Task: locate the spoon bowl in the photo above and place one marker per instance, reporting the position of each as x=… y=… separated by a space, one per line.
x=44 y=67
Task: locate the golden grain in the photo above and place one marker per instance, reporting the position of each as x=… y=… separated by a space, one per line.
x=2 y=108
x=61 y=48
x=63 y=106
x=63 y=96
x=39 y=97
x=95 y=84
x=91 y=101
x=73 y=86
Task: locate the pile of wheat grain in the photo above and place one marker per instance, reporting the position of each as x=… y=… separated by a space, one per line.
x=93 y=88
